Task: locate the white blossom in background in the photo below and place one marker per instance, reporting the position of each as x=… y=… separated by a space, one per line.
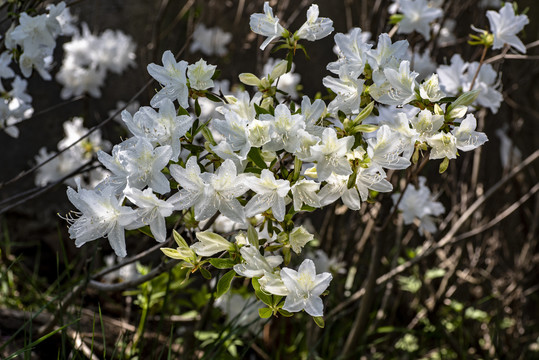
x=88 y=58
x=210 y=41
x=73 y=158
x=15 y=105
x=5 y=71
x=446 y=32
x=417 y=16
x=66 y=20
x=36 y=35
x=304 y=288
x=505 y=26
x=419 y=203
x=457 y=78
x=510 y=155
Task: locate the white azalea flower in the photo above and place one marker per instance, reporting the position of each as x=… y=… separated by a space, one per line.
x=330 y=155
x=283 y=127
x=430 y=89
x=298 y=238
x=101 y=214
x=304 y=192
x=386 y=148
x=505 y=26
x=210 y=192
x=315 y=27
x=266 y=25
x=352 y=49
x=270 y=193
x=467 y=138
x=200 y=75
x=144 y=164
x=417 y=16
x=348 y=89
x=304 y=288
x=163 y=128
x=172 y=77
x=444 y=145
x=399 y=87
x=192 y=185
x=151 y=211
x=254 y=264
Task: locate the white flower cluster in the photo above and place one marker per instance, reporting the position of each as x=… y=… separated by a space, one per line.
x=15 y=104
x=35 y=36
x=263 y=161
x=73 y=158
x=88 y=58
x=31 y=43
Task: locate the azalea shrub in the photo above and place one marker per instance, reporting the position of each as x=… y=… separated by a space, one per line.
x=226 y=178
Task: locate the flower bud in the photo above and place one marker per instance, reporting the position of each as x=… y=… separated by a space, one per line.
x=279 y=69
x=249 y=79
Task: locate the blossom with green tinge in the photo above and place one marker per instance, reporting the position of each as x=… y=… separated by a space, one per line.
x=304 y=288
x=200 y=75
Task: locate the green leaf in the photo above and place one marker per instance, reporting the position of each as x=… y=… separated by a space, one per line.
x=182 y=111
x=222 y=263
x=213 y=97
x=208 y=136
x=216 y=74
x=172 y=253
x=319 y=320
x=256 y=157
x=289 y=60
x=205 y=273
x=465 y=99
x=197 y=108
x=265 y=312
x=364 y=113
x=395 y=18
x=434 y=273
x=444 y=165
x=260 y=110
x=146 y=231
x=179 y=239
x=224 y=283
x=285 y=313
x=252 y=170
x=252 y=236
x=265 y=298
